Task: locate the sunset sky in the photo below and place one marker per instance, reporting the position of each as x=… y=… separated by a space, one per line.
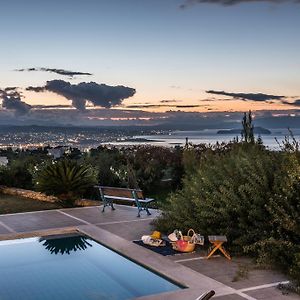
x=194 y=56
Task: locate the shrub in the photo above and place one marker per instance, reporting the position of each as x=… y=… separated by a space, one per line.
x=105 y=161
x=66 y=179
x=247 y=193
x=225 y=194
x=18 y=172
x=283 y=248
x=148 y=165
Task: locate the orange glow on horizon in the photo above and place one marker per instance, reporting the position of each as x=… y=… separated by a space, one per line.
x=196 y=105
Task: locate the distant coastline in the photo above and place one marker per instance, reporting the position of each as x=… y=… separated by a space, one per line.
x=86 y=138
x=137 y=140
x=257 y=130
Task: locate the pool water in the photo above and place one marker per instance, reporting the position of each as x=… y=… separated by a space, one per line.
x=72 y=267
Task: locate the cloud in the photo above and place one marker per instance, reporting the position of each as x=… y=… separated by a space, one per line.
x=98 y=94
x=13 y=88
x=247 y=96
x=294 y=103
x=37 y=89
x=59 y=106
x=189 y=106
x=11 y=100
x=57 y=71
x=170 y=101
x=188 y=3
x=147 y=106
x=141 y=106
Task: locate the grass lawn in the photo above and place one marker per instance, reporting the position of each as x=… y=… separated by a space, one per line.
x=14 y=204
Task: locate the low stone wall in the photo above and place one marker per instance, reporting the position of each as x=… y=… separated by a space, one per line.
x=27 y=194
x=87 y=202
x=42 y=197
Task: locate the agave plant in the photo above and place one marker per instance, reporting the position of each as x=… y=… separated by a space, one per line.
x=65 y=179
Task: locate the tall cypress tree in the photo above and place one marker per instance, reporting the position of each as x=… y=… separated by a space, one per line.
x=248 y=128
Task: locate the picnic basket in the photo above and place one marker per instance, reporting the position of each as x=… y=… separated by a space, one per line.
x=186 y=242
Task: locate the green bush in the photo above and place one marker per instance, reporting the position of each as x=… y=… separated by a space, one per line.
x=18 y=172
x=137 y=167
x=247 y=193
x=283 y=248
x=106 y=161
x=226 y=194
x=66 y=179
x=148 y=165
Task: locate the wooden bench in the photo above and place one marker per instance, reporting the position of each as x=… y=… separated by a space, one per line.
x=109 y=194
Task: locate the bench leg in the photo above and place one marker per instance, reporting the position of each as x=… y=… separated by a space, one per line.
x=142 y=206
x=147 y=210
x=108 y=203
x=104 y=205
x=112 y=206
x=138 y=205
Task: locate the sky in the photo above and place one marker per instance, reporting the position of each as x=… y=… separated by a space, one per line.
x=100 y=61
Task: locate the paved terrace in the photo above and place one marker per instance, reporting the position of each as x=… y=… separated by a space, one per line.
x=232 y=280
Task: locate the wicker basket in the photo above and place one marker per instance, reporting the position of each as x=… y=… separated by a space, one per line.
x=185 y=243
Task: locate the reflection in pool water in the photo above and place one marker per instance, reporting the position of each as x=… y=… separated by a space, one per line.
x=66 y=245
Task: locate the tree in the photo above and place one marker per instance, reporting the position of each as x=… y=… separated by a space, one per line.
x=248 y=128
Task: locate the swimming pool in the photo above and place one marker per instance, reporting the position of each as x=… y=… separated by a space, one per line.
x=72 y=267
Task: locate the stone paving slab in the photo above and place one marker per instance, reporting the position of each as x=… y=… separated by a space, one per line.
x=34 y=221
x=226 y=272
x=94 y=214
x=130 y=230
x=230 y=297
x=271 y=293
x=3 y=230
x=198 y=254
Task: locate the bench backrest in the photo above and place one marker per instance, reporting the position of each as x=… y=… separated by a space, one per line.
x=120 y=192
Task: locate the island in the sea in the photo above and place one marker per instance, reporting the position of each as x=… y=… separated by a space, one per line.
x=137 y=140
x=257 y=130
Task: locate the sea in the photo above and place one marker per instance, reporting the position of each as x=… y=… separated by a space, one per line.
x=87 y=138
x=208 y=136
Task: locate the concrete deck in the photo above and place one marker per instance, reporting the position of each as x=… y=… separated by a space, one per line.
x=117 y=229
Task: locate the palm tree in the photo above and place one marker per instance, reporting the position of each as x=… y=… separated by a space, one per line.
x=66 y=179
